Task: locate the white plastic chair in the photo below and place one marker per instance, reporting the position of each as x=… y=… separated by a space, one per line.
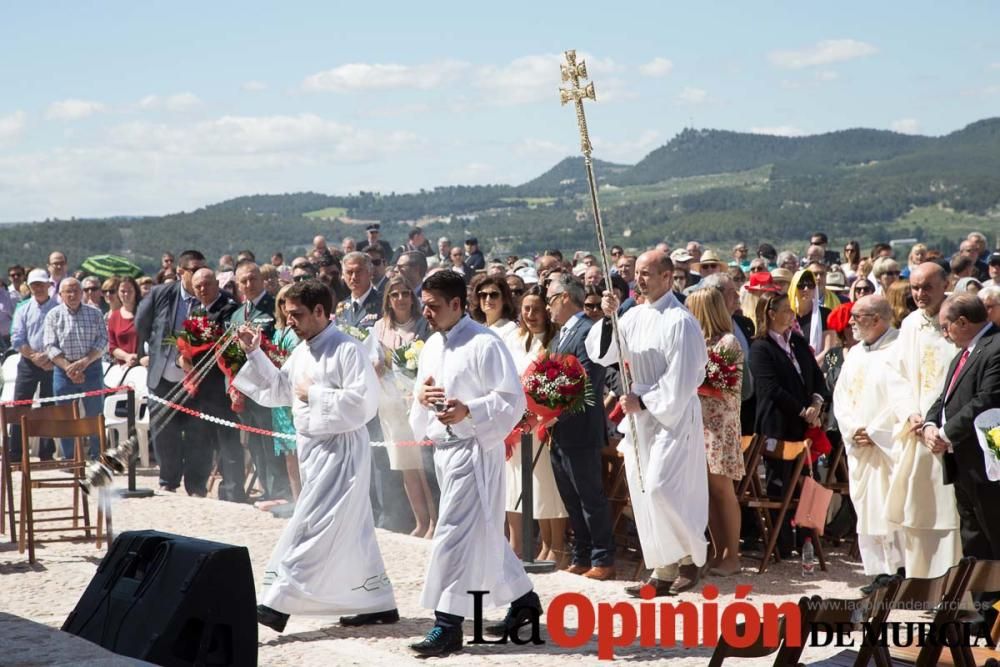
x=114 y=376
x=9 y=376
x=117 y=427
x=135 y=377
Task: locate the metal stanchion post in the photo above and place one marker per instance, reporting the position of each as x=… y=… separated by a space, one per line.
x=527 y=511
x=132 y=491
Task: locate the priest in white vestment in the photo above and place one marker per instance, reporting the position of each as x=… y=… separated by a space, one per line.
x=866 y=422
x=919 y=501
x=468 y=399
x=666 y=351
x=327 y=561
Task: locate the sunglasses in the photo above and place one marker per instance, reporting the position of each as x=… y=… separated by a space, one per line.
x=15 y=276
x=488 y=295
x=376 y=262
x=108 y=291
x=864 y=290
x=303 y=278
x=592 y=306
x=517 y=292
x=91 y=289
x=805 y=286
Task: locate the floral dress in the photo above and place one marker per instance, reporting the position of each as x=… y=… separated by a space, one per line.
x=284 y=339
x=721 y=417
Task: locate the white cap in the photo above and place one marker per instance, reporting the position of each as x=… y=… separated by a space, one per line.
x=38 y=276
x=528 y=275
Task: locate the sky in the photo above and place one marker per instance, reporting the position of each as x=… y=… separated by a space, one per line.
x=146 y=108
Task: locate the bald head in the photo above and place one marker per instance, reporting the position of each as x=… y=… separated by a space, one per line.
x=927 y=284
x=205 y=286
x=871 y=318
x=654 y=274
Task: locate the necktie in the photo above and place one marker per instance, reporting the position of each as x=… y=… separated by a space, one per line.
x=958 y=370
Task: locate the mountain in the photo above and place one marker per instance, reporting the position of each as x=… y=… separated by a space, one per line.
x=570 y=177
x=716 y=186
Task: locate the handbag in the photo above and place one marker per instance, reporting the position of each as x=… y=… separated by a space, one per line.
x=814 y=502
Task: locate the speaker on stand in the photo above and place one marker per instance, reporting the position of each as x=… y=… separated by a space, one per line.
x=171 y=600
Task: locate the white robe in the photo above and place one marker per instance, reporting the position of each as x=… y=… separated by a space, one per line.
x=327 y=561
x=469 y=551
x=919 y=501
x=859 y=402
x=668 y=356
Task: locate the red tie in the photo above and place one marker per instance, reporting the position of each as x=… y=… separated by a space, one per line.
x=958 y=369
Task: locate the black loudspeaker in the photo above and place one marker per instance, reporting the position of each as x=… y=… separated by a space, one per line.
x=171 y=600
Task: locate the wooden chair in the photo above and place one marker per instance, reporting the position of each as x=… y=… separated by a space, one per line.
x=982 y=576
x=758 y=649
x=12 y=415
x=620 y=504
x=78 y=429
x=752 y=493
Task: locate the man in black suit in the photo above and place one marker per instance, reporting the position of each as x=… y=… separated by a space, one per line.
x=364 y=306
x=373 y=231
x=258 y=308
x=972 y=386
x=161 y=315
x=577 y=440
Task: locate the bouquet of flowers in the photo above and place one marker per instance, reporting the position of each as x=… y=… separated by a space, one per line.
x=987 y=425
x=553 y=384
x=722 y=373
x=404 y=358
x=354 y=332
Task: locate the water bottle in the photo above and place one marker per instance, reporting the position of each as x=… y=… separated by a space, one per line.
x=808 y=558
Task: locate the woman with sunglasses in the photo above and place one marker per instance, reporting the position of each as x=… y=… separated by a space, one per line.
x=852 y=257
x=535 y=334
x=592 y=302
x=492 y=304
x=401 y=324
x=517 y=289
x=810 y=316
x=861 y=287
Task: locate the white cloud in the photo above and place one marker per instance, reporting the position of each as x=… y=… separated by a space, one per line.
x=73 y=109
x=253 y=86
x=366 y=77
x=12 y=125
x=905 y=126
x=822 y=53
x=627 y=150
x=691 y=95
x=779 y=131
x=657 y=67
x=177 y=102
x=537 y=78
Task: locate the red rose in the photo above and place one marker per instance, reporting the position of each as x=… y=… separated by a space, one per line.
x=552 y=373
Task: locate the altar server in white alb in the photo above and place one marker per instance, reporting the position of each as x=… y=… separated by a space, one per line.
x=667 y=355
x=327 y=561
x=468 y=399
x=866 y=422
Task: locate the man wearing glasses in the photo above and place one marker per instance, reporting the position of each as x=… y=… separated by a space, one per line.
x=57 y=271
x=92 y=295
x=16 y=276
x=378 y=267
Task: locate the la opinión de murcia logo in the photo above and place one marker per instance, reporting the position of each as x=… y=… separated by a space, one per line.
x=739 y=623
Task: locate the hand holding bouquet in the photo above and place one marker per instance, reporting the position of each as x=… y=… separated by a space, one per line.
x=723 y=373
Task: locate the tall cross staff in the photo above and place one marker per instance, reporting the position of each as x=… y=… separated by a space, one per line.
x=572 y=72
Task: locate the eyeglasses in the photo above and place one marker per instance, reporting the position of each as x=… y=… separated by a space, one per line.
x=517 y=292
x=108 y=291
x=488 y=295
x=857 y=316
x=91 y=289
x=864 y=290
x=15 y=276
x=592 y=306
x=302 y=278
x=376 y=262
x=805 y=286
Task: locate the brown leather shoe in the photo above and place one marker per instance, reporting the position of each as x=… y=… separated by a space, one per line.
x=688 y=577
x=660 y=588
x=578 y=569
x=600 y=572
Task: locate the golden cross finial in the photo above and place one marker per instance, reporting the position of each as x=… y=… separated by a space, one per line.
x=572 y=72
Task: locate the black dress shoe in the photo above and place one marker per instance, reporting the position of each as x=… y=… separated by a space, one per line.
x=386 y=617
x=878 y=582
x=660 y=588
x=271 y=618
x=517 y=617
x=440 y=642
x=688 y=577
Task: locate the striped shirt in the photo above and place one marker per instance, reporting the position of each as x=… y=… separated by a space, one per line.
x=75 y=335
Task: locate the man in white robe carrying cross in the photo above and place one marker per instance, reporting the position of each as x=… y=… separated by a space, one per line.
x=468 y=400
x=866 y=422
x=327 y=561
x=666 y=353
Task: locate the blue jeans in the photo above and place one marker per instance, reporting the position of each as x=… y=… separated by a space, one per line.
x=93 y=378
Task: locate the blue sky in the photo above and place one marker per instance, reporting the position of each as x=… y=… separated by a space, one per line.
x=147 y=108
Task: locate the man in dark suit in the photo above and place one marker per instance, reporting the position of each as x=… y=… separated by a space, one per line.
x=972 y=386
x=577 y=441
x=373 y=231
x=258 y=308
x=364 y=306
x=160 y=316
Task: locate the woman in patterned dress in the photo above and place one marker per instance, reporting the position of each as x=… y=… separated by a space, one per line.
x=285 y=339
x=721 y=417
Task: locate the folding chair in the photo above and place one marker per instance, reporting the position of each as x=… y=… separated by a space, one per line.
x=982 y=576
x=12 y=415
x=78 y=429
x=724 y=650
x=756 y=498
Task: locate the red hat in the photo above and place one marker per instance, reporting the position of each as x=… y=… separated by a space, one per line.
x=840 y=317
x=761 y=281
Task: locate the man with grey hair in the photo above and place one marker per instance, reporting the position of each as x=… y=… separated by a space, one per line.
x=866 y=423
x=92 y=295
x=364 y=306
x=814 y=253
x=788 y=260
x=990 y=296
x=577 y=441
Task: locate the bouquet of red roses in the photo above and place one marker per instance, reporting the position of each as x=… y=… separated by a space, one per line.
x=553 y=384
x=722 y=373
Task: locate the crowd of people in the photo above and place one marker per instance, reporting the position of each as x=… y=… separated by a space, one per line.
x=890 y=358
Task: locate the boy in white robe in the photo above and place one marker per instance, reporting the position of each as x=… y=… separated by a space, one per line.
x=866 y=423
x=667 y=354
x=468 y=400
x=327 y=561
